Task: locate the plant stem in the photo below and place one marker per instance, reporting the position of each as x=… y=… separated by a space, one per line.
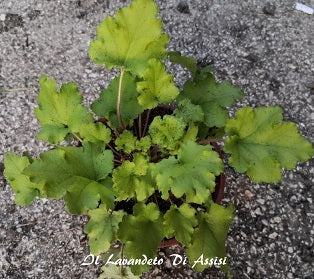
x=146 y=122
x=113 y=150
x=156 y=201
x=140 y=126
x=117 y=161
x=119 y=100
x=77 y=137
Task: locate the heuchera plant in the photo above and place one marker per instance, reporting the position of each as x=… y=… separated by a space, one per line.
x=143 y=176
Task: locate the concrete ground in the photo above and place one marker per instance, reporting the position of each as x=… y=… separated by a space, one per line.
x=265 y=47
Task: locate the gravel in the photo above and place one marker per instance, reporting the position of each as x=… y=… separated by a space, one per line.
x=266 y=48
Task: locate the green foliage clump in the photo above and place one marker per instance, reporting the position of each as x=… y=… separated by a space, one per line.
x=143 y=170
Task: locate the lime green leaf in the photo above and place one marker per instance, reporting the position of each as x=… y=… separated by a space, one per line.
x=157 y=87
x=167 y=132
x=106 y=105
x=133 y=179
x=102 y=228
x=189 y=112
x=61 y=113
x=180 y=223
x=114 y=272
x=191 y=133
x=142 y=233
x=95 y=132
x=210 y=236
x=143 y=144
x=126 y=142
x=186 y=62
x=131 y=39
x=212 y=97
x=79 y=174
x=25 y=190
x=261 y=144
x=192 y=173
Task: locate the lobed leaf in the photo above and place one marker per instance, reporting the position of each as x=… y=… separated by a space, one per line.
x=179 y=222
x=157 y=86
x=128 y=143
x=210 y=237
x=102 y=228
x=192 y=173
x=212 y=97
x=78 y=174
x=25 y=190
x=145 y=226
x=189 y=112
x=261 y=144
x=133 y=179
x=61 y=113
x=167 y=132
x=131 y=39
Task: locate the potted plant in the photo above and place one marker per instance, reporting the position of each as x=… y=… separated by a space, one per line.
x=146 y=169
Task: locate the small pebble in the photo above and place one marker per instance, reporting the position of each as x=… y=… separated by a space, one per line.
x=249 y=195
x=269 y=9
x=183 y=7
x=273 y=235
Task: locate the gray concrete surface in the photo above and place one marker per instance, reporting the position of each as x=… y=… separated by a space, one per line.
x=265 y=47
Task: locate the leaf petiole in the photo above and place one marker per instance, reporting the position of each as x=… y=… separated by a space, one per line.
x=119 y=100
x=146 y=122
x=77 y=137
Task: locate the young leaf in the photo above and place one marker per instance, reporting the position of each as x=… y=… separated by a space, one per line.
x=189 y=112
x=186 y=62
x=261 y=144
x=106 y=105
x=25 y=190
x=141 y=232
x=157 y=87
x=191 y=133
x=180 y=223
x=212 y=97
x=81 y=174
x=61 y=113
x=167 y=132
x=114 y=272
x=143 y=144
x=128 y=143
x=210 y=236
x=131 y=39
x=192 y=173
x=132 y=179
x=102 y=228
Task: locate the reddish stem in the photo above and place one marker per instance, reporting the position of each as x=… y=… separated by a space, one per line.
x=146 y=122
